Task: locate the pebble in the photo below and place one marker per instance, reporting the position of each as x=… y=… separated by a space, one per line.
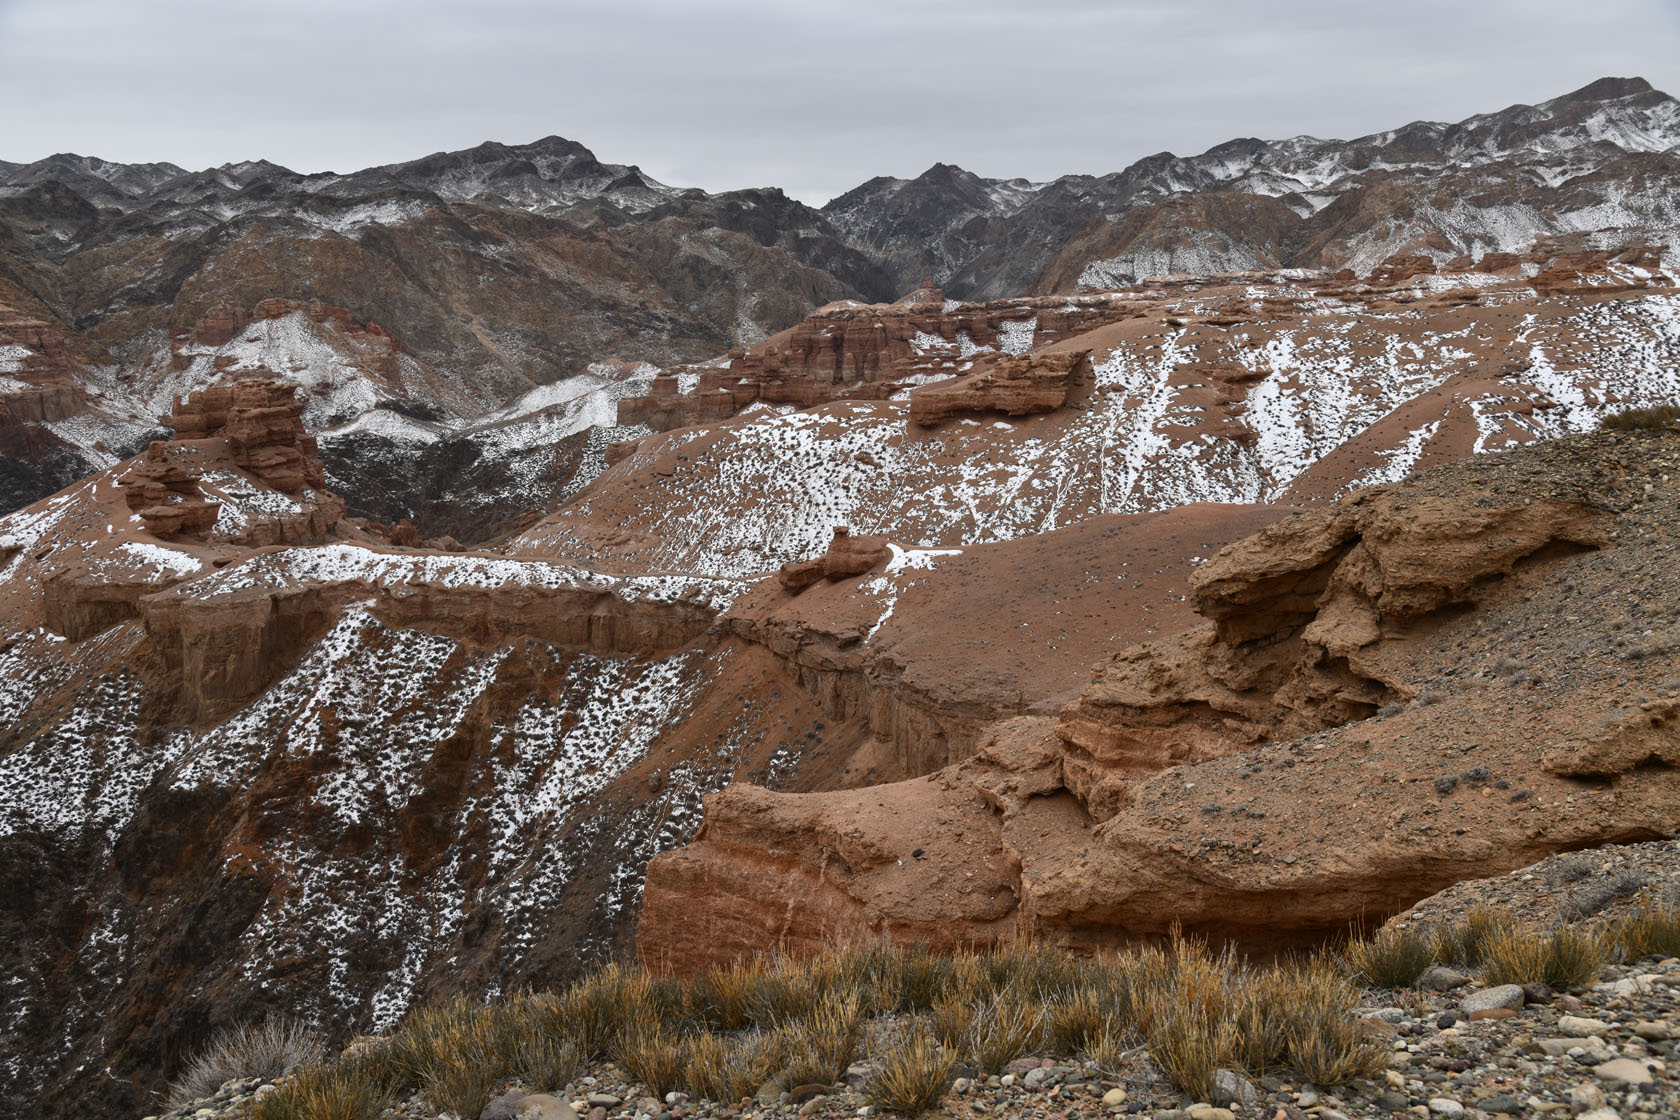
x=1505 y=995
x=1624 y=1070
x=1585 y=1098
x=1207 y=1112
x=1446 y=1106
x=1576 y=1027
x=1439 y=978
x=1231 y=1087
x=541 y=1106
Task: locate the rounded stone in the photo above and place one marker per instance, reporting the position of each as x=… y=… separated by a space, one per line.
x=1505 y=995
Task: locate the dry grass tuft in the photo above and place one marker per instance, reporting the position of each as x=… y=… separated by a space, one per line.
x=1514 y=955
x=340 y=1091
x=1110 y=1049
x=822 y=1045
x=1393 y=957
x=1323 y=1038
x=267 y=1050
x=1262 y=1030
x=1030 y=967
x=1644 y=419
x=456 y=1053
x=724 y=995
x=915 y=1073
x=655 y=1057
x=1190 y=1045
x=1073 y=1019
x=1653 y=932
x=728 y=1069
x=1005 y=1029
x=1574 y=954
x=922 y=977
x=951 y=1020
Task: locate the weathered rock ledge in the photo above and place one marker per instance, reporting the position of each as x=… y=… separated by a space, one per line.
x=1408 y=688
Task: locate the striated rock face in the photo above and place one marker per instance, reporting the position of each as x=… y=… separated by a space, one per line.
x=164 y=491
x=1306 y=621
x=261 y=419
x=1410 y=687
x=1012 y=387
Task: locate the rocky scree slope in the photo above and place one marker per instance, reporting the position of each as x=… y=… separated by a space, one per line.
x=1600 y=160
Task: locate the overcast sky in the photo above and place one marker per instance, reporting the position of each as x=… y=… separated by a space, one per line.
x=811 y=97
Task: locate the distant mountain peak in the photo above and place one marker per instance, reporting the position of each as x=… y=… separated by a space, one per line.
x=1609 y=89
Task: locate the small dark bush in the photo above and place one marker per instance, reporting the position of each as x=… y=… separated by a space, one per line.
x=1445 y=785
x=1590 y=898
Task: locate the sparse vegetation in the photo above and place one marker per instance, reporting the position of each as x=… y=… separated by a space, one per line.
x=1653 y=932
x=1513 y=954
x=655 y=1056
x=727 y=1068
x=1590 y=898
x=1394 y=957
x=337 y=1091
x=915 y=1074
x=1644 y=419
x=799 y=1021
x=265 y=1050
x=1005 y=1029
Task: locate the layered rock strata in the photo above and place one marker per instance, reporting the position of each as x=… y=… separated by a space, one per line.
x=853 y=351
x=261 y=419
x=1012 y=387
x=1418 y=684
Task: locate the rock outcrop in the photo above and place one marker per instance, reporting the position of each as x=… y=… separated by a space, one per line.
x=1310 y=621
x=1413 y=686
x=1013 y=387
x=860 y=352
x=164 y=491
x=37 y=385
x=261 y=419
x=846 y=556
